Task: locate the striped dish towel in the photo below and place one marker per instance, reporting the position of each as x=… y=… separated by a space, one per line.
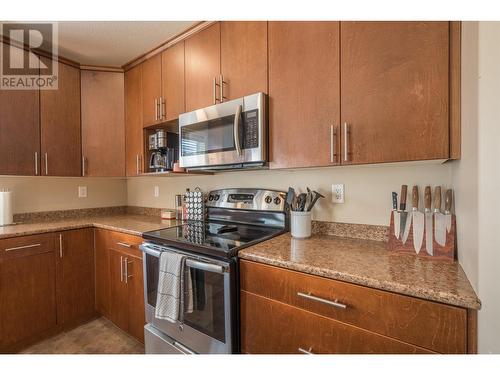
x=168 y=300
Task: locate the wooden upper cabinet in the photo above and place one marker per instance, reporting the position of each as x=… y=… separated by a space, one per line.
x=304 y=94
x=134 y=144
x=103 y=124
x=202 y=67
x=60 y=125
x=151 y=90
x=172 y=78
x=19 y=131
x=243 y=58
x=75 y=276
x=395 y=82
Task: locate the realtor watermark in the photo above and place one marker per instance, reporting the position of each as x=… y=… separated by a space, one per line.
x=29 y=56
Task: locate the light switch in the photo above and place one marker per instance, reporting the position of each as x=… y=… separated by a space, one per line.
x=82 y=192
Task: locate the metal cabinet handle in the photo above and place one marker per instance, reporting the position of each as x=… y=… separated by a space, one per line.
x=156 y=109
x=126 y=270
x=60 y=246
x=36 y=163
x=124 y=244
x=221 y=87
x=346 y=141
x=23 y=247
x=46 y=164
x=215 y=90
x=83 y=166
x=304 y=351
x=163 y=111
x=137 y=164
x=333 y=144
x=121 y=269
x=322 y=300
x=236 y=130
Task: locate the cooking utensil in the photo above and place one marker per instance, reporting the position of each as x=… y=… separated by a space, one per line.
x=402 y=211
x=448 y=197
x=428 y=220
x=417 y=219
x=396 y=214
x=290 y=195
x=309 y=197
x=302 y=201
x=439 y=219
x=314 y=199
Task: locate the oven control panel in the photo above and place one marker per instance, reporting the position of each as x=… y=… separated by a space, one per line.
x=248 y=199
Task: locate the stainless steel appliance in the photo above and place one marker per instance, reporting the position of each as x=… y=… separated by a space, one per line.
x=237 y=218
x=228 y=135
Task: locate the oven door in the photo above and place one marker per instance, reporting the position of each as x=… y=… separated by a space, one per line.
x=230 y=133
x=206 y=326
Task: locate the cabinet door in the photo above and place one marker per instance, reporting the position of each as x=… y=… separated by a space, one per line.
x=102 y=272
x=151 y=90
x=135 y=284
x=202 y=67
x=304 y=94
x=134 y=144
x=172 y=77
x=19 y=131
x=118 y=311
x=103 y=124
x=243 y=58
x=75 y=276
x=395 y=91
x=27 y=291
x=60 y=125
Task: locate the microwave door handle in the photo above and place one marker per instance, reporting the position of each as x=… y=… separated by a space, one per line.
x=237 y=130
x=215 y=268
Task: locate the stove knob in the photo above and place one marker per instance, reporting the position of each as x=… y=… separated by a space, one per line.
x=277 y=200
x=210 y=197
x=268 y=199
x=217 y=196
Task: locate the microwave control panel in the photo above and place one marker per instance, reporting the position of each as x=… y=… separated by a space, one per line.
x=251 y=129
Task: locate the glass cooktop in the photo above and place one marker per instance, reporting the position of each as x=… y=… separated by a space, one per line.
x=215 y=238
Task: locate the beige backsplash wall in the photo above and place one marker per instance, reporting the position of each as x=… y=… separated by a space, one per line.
x=35 y=194
x=367 y=188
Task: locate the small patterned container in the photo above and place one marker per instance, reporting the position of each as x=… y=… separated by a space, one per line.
x=194 y=202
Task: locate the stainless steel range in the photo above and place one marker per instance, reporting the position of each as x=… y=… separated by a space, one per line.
x=237 y=218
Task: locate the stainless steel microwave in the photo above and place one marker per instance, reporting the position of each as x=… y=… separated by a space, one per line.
x=228 y=135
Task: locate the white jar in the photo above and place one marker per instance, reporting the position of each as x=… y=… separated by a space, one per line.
x=300 y=224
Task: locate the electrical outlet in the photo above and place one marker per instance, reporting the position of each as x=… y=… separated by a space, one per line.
x=82 y=192
x=156 y=191
x=338 y=193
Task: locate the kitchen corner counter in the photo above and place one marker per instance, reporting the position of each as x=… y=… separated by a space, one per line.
x=370 y=264
x=125 y=223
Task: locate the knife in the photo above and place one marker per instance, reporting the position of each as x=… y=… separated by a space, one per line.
x=395 y=213
x=402 y=213
x=417 y=218
x=439 y=220
x=448 y=197
x=428 y=220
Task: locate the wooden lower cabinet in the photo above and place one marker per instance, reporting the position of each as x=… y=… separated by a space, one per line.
x=75 y=276
x=27 y=290
x=119 y=281
x=373 y=321
x=271 y=327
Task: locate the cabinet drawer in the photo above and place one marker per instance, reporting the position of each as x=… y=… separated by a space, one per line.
x=27 y=245
x=438 y=327
x=270 y=327
x=125 y=242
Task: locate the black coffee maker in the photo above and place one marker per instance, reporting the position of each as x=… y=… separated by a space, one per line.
x=163 y=147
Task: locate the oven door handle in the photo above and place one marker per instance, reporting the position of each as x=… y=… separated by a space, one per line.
x=209 y=267
x=148 y=250
x=236 y=130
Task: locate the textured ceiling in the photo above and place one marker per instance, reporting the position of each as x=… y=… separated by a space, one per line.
x=114 y=43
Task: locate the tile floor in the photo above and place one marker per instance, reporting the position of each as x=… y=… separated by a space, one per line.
x=99 y=336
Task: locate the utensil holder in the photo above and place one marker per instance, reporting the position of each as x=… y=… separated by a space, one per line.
x=300 y=224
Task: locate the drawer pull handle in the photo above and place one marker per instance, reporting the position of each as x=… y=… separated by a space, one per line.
x=322 y=300
x=124 y=244
x=304 y=351
x=22 y=247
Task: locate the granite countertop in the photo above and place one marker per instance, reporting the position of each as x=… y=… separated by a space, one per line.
x=125 y=223
x=368 y=263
